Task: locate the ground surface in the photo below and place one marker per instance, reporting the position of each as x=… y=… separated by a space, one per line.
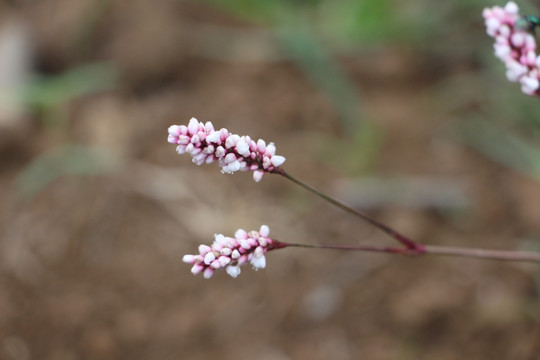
x=90 y=264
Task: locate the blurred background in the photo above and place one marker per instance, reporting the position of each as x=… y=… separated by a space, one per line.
x=398 y=108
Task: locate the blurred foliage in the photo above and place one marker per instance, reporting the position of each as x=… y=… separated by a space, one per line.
x=370 y=21
x=47 y=95
x=306 y=29
x=312 y=30
x=502 y=146
x=313 y=59
x=493 y=116
x=63 y=160
x=367 y=20
x=490 y=113
x=360 y=22
x=85 y=35
x=356 y=156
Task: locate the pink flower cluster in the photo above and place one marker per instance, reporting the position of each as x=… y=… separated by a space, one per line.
x=515 y=46
x=233 y=152
x=230 y=253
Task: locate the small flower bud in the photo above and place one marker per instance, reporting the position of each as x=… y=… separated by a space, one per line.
x=258 y=262
x=224 y=260
x=193 y=126
x=264 y=231
x=233 y=271
x=196 y=269
x=208 y=272
x=243 y=148
x=277 y=160
x=209 y=257
x=240 y=234
x=203 y=249
x=258 y=175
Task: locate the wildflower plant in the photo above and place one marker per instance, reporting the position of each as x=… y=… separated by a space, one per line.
x=515 y=45
x=239 y=153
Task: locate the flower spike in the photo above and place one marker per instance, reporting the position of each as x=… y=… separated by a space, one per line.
x=515 y=45
x=232 y=252
x=233 y=152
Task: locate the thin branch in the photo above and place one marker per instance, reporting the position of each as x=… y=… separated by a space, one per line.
x=526 y=256
x=402 y=239
x=410 y=247
x=522 y=256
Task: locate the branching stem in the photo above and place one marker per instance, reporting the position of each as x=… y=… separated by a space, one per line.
x=402 y=239
x=523 y=256
x=410 y=247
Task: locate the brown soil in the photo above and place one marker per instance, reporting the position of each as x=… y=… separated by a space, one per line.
x=91 y=265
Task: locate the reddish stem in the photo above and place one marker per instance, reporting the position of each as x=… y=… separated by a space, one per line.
x=410 y=247
x=402 y=239
x=524 y=256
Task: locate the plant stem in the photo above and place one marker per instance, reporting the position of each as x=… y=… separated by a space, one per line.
x=523 y=256
x=402 y=239
x=386 y=249
x=410 y=247
x=527 y=256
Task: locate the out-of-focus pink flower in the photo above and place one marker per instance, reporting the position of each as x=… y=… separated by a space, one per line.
x=233 y=152
x=232 y=252
x=515 y=46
